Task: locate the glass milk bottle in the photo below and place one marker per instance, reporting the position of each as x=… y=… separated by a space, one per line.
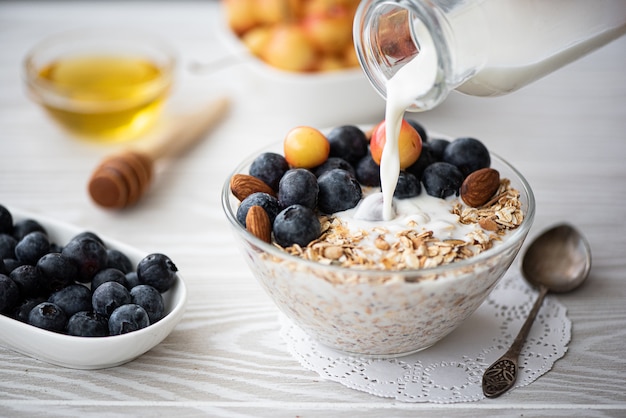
x=477 y=47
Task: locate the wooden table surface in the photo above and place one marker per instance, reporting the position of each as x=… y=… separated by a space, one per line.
x=565 y=133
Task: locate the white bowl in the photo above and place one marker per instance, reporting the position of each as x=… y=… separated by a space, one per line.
x=323 y=99
x=90 y=352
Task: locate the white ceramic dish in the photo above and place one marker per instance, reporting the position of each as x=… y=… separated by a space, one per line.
x=322 y=99
x=97 y=352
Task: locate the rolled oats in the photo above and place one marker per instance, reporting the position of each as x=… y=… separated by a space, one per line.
x=413 y=248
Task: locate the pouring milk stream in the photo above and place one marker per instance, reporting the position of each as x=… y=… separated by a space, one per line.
x=402 y=89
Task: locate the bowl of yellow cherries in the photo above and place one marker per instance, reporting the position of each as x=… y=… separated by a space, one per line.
x=301 y=53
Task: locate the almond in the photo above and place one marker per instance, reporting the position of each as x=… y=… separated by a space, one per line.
x=479 y=186
x=243 y=185
x=258 y=223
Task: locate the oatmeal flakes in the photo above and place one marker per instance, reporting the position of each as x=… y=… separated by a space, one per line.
x=449 y=257
x=406 y=242
x=333 y=252
x=380 y=230
x=381 y=244
x=433 y=261
x=413 y=247
x=433 y=251
x=411 y=260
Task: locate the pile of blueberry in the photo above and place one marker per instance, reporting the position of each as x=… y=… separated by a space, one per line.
x=81 y=289
x=336 y=183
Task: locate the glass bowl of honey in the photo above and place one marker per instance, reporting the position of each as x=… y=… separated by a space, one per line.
x=107 y=85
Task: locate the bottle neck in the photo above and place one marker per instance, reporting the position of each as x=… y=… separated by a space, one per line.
x=389 y=35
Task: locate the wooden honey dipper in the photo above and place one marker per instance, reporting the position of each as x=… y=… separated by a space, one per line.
x=122 y=178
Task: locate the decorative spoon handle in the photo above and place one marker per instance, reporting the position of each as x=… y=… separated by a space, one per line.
x=502 y=374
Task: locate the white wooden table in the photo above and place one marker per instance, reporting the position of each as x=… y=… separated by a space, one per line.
x=566 y=133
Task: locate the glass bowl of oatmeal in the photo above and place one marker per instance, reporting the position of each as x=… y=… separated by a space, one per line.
x=404 y=297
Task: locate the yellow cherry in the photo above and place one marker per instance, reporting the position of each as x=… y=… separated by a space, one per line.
x=306 y=147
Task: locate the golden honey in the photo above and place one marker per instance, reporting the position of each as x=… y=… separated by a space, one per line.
x=105 y=96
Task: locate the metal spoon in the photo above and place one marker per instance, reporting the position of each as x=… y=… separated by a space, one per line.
x=558 y=261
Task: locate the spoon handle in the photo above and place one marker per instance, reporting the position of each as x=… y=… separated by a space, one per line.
x=502 y=374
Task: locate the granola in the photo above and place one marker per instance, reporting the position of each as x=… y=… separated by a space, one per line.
x=378 y=248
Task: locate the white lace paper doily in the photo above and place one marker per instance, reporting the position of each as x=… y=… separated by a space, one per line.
x=451 y=370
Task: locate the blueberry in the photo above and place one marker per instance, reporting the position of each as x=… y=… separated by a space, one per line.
x=32 y=247
x=296 y=224
x=108 y=275
x=11 y=264
x=89 y=255
x=73 y=298
x=128 y=318
x=132 y=279
x=368 y=171
x=7 y=246
x=331 y=163
x=25 y=227
x=419 y=128
x=269 y=167
x=408 y=186
x=108 y=297
x=424 y=160
x=347 y=142
x=437 y=146
x=150 y=299
x=48 y=316
x=158 y=271
x=57 y=270
x=468 y=154
x=6 y=221
x=23 y=309
x=298 y=186
x=338 y=191
x=87 y=324
x=442 y=179
x=29 y=280
x=3 y=267
x=9 y=294
x=119 y=260
x=266 y=201
x=91 y=235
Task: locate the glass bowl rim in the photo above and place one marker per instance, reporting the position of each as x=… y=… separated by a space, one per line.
x=512 y=240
